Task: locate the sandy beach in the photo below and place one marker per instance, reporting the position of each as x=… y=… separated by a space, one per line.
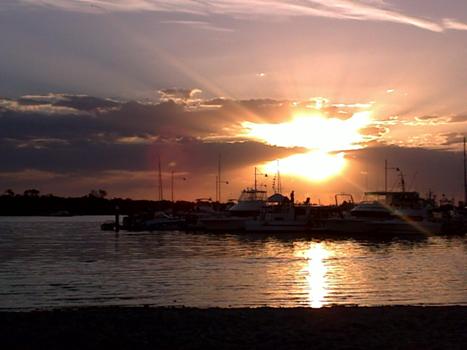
x=397 y=327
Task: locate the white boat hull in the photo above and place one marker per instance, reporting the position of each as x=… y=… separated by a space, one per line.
x=275 y=226
x=383 y=227
x=224 y=224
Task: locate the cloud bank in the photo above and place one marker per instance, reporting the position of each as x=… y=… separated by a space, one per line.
x=72 y=143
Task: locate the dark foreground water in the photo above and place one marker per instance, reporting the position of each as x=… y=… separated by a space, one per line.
x=51 y=262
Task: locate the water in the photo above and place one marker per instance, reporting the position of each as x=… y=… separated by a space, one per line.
x=53 y=262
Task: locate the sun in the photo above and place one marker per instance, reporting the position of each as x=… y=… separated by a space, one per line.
x=326 y=139
x=315 y=166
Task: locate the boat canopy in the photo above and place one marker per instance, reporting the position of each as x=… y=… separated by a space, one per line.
x=278 y=198
x=398 y=199
x=251 y=194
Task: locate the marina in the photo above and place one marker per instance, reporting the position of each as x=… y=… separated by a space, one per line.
x=381 y=213
x=388 y=214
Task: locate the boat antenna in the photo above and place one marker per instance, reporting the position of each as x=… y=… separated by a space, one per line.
x=402 y=180
x=219 y=180
x=279 y=182
x=161 y=194
x=256 y=181
x=386 y=168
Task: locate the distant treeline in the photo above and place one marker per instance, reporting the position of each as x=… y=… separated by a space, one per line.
x=31 y=202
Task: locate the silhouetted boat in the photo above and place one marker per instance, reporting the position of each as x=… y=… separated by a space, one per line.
x=281 y=214
x=395 y=213
x=108 y=226
x=248 y=207
x=162 y=221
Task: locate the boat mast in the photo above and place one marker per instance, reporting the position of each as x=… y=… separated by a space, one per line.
x=161 y=194
x=402 y=181
x=279 y=183
x=255 y=180
x=465 y=176
x=385 y=175
x=172 y=184
x=219 y=178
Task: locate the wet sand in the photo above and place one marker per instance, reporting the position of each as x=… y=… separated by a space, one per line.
x=397 y=327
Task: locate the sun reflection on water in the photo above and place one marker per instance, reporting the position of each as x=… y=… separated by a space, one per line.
x=316 y=274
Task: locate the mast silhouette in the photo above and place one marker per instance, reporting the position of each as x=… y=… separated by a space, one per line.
x=277 y=184
x=465 y=176
x=385 y=175
x=279 y=181
x=219 y=178
x=161 y=193
x=172 y=184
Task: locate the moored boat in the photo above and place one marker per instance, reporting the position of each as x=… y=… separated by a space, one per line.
x=393 y=213
x=248 y=207
x=281 y=214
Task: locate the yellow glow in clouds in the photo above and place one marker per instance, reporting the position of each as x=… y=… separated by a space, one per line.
x=324 y=137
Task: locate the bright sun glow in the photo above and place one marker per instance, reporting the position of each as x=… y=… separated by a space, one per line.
x=314 y=165
x=322 y=136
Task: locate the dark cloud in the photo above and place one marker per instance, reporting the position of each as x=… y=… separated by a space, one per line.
x=78 y=102
x=86 y=103
x=453 y=138
x=433 y=119
x=428 y=117
x=179 y=95
x=94 y=134
x=86 y=157
x=459 y=118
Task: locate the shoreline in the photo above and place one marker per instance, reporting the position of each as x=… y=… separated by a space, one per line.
x=337 y=327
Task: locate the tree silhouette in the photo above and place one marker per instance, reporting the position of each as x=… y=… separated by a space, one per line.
x=9 y=192
x=101 y=194
x=32 y=193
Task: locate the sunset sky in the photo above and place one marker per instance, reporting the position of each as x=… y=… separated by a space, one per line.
x=92 y=92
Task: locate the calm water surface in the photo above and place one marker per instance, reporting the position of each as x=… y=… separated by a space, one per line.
x=51 y=262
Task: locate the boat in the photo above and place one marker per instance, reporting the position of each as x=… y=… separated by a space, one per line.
x=281 y=214
x=158 y=221
x=393 y=213
x=248 y=206
x=108 y=226
x=163 y=222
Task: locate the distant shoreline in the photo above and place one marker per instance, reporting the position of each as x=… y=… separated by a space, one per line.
x=50 y=205
x=385 y=327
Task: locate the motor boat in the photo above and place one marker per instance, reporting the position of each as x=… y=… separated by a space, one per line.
x=393 y=213
x=281 y=214
x=249 y=205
